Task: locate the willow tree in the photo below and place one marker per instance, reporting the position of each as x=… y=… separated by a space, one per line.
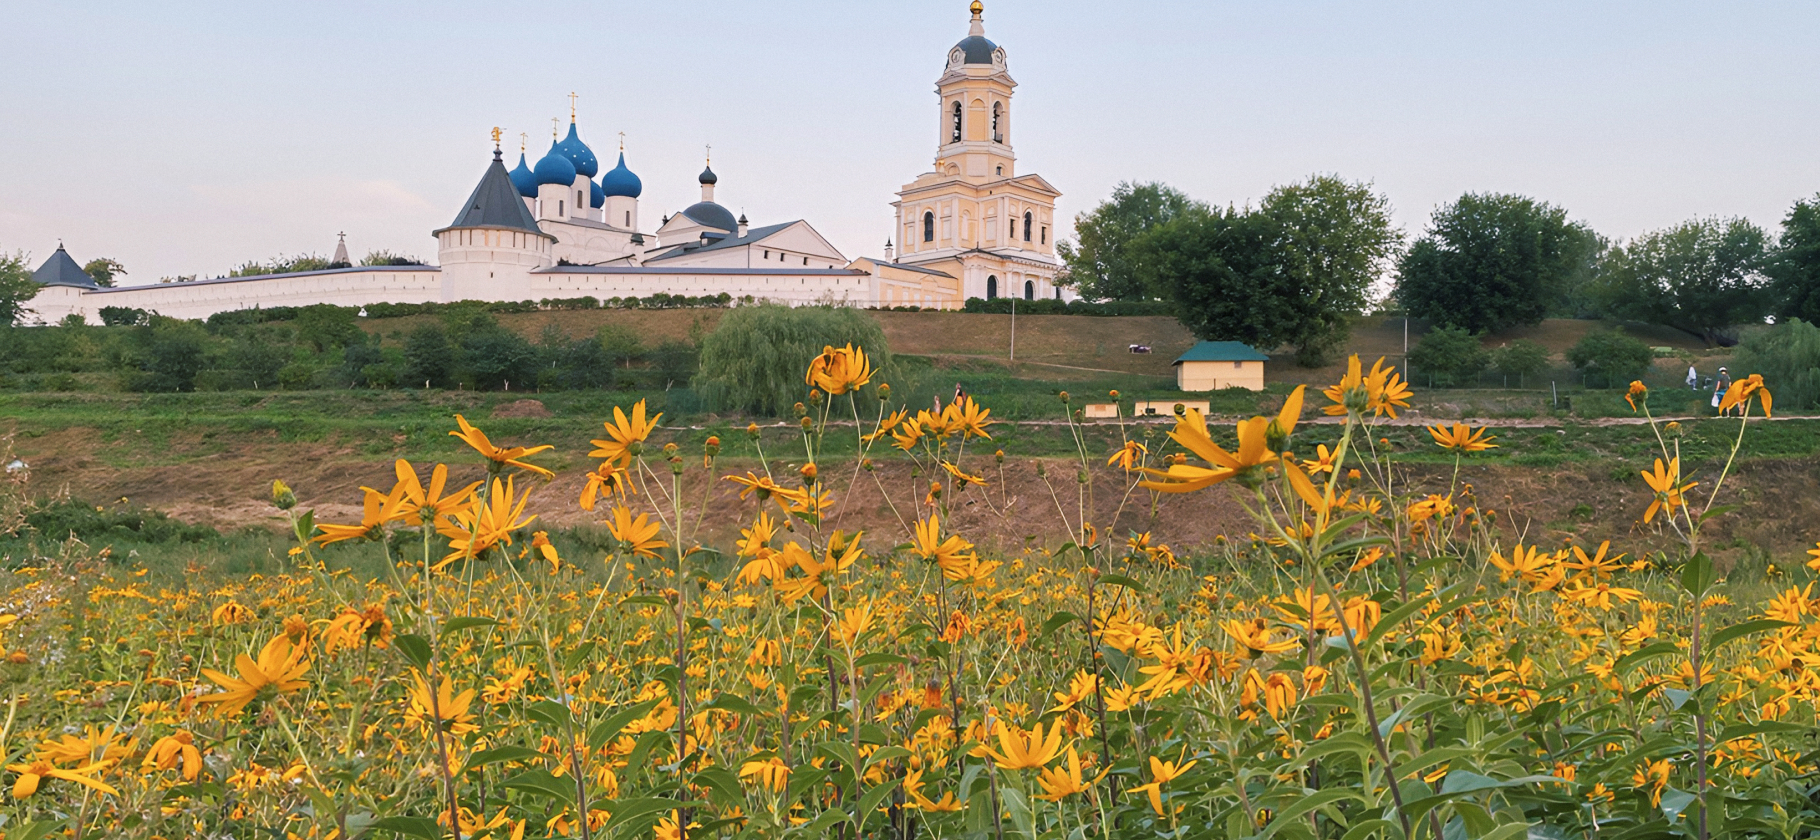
x=754 y=359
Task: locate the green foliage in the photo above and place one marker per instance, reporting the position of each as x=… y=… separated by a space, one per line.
x=1795 y=267
x=282 y=265
x=755 y=358
x=1102 y=264
x=96 y=525
x=325 y=327
x=1521 y=358
x=17 y=287
x=1295 y=271
x=1448 y=357
x=493 y=357
x=1046 y=306
x=1788 y=357
x=1334 y=239
x=1610 y=358
x=1699 y=276
x=103 y=270
x=169 y=355
x=382 y=258
x=123 y=316
x=429 y=356
x=1493 y=261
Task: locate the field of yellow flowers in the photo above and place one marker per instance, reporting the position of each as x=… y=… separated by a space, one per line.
x=1364 y=664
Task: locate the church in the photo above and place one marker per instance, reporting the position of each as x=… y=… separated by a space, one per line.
x=561 y=228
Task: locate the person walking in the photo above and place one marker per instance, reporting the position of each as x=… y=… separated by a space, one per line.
x=1720 y=386
x=1693 y=378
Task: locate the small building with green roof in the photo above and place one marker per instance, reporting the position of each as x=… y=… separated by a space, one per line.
x=1215 y=365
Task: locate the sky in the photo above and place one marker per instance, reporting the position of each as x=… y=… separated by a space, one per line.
x=187 y=138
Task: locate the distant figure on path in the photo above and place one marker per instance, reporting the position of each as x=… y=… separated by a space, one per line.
x=1720 y=386
x=1693 y=378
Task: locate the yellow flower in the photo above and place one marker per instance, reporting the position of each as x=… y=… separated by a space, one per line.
x=501 y=457
x=278 y=670
x=377 y=509
x=1255 y=437
x=1059 y=783
x=1637 y=391
x=1669 y=490
x=963 y=477
x=1128 y=455
x=637 y=537
x=1462 y=438
x=1254 y=637
x=854 y=622
x=1652 y=776
x=966 y=416
x=354 y=628
x=626 y=436
x=817 y=575
x=772 y=774
x=1742 y=390
x=486 y=522
x=33 y=774
x=446 y=711
x=603 y=481
x=913 y=788
x=427 y=505
x=1380 y=392
x=838 y=371
x=954 y=555
x=1161 y=773
x=1019 y=750
x=174 y=750
x=1601 y=595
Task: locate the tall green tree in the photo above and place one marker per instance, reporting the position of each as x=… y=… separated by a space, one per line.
x=17 y=287
x=755 y=358
x=1699 y=276
x=1492 y=261
x=1333 y=240
x=1101 y=262
x=1795 y=268
x=104 y=270
x=1218 y=270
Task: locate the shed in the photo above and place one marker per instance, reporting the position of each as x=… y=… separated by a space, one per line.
x=1213 y=365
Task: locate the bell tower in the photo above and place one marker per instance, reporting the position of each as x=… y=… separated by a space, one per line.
x=974 y=122
x=974 y=216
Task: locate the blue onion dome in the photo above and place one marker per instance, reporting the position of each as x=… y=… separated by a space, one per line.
x=578 y=153
x=707 y=176
x=555 y=168
x=975 y=49
x=597 y=197
x=619 y=181
x=523 y=179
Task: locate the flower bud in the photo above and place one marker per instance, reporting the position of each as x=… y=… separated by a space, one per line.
x=1064 y=396
x=807 y=423
x=800 y=410
x=884 y=391
x=867 y=465
x=808 y=471
x=1114 y=393
x=1080 y=477
x=282 y=496
x=999 y=456
x=670 y=450
x=815 y=396
x=752 y=431
x=636 y=448
x=712 y=446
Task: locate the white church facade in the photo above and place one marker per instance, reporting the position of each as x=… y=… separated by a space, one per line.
x=563 y=228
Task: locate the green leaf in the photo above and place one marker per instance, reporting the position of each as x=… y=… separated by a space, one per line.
x=868 y=804
x=1767 y=727
x=1697 y=575
x=465 y=622
x=1390 y=620
x=414 y=826
x=610 y=727
x=540 y=782
x=550 y=712
x=499 y=754
x=1508 y=832
x=650 y=600
x=1373 y=830
x=721 y=779
x=643 y=747
x=1322 y=798
x=1019 y=809
x=1718 y=511
x=1674 y=802
x=879 y=658
x=641 y=813
x=1121 y=580
x=1057 y=622
x=732 y=703
x=416 y=649
x=577 y=656
x=1637 y=657
x=1738 y=631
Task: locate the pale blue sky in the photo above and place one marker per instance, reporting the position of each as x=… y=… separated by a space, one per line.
x=184 y=138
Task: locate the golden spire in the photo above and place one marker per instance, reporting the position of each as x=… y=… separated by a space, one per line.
x=978 y=7
x=622 y=141
x=495 y=137
x=709 y=154
x=554 y=122
x=572 y=97
x=524 y=142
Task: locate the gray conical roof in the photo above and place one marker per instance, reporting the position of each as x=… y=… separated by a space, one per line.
x=496 y=203
x=61 y=270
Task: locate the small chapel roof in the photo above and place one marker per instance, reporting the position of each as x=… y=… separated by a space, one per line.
x=61 y=270
x=753 y=234
x=496 y=203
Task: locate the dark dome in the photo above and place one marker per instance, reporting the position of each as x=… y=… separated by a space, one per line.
x=976 y=49
x=707 y=176
x=711 y=214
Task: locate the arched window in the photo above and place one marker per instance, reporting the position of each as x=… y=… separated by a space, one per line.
x=996 y=136
x=1026 y=227
x=1029 y=290
x=991 y=287
x=928 y=226
x=1058 y=293
x=957 y=122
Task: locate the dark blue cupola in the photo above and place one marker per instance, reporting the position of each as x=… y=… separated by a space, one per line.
x=555 y=168
x=619 y=181
x=524 y=179
x=578 y=153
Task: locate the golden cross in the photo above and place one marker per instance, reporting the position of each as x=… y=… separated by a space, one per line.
x=622 y=141
x=554 y=122
x=572 y=97
x=496 y=137
x=710 y=154
x=524 y=142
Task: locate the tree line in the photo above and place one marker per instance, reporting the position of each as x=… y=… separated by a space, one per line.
x=1295 y=269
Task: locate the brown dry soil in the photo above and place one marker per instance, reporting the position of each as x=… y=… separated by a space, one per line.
x=203 y=482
